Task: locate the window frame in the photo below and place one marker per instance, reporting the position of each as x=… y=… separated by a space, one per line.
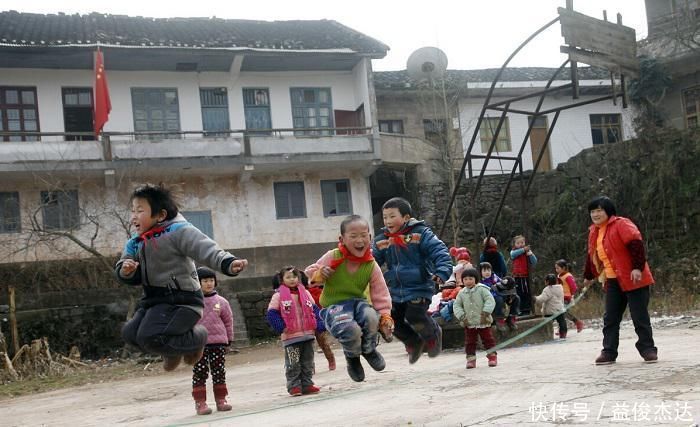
x=392 y=126
x=304 y=107
x=72 y=216
x=278 y=186
x=6 y=220
x=147 y=108
x=604 y=126
x=435 y=130
x=248 y=107
x=65 y=90
x=327 y=213
x=189 y=214
x=504 y=143
x=211 y=107
x=21 y=107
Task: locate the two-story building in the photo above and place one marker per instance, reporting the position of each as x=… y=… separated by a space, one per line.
x=264 y=129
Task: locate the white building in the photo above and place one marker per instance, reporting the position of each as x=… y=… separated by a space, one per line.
x=265 y=129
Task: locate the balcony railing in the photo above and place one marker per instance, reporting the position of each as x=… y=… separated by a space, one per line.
x=74 y=146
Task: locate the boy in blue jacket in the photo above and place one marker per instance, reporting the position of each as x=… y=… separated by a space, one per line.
x=415 y=259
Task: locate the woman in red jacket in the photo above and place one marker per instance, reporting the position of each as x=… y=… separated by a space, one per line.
x=617 y=258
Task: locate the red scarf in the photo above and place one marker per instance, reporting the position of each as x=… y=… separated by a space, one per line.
x=398 y=237
x=350 y=257
x=150 y=234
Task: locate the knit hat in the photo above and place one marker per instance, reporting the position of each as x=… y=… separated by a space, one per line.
x=205 y=273
x=461 y=254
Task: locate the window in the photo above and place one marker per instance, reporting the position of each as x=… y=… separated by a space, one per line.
x=391 y=126
x=201 y=220
x=60 y=209
x=289 y=200
x=155 y=110
x=605 y=128
x=256 y=106
x=691 y=104
x=214 y=110
x=9 y=212
x=18 y=112
x=312 y=108
x=336 y=197
x=488 y=128
x=77 y=113
x=435 y=130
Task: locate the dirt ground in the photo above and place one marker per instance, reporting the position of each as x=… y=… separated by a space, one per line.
x=547 y=384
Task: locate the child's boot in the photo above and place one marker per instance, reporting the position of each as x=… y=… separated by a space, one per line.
x=220 y=393
x=171 y=362
x=434 y=346
x=375 y=360
x=501 y=324
x=562 y=335
x=199 y=393
x=415 y=351
x=579 y=325
x=493 y=359
x=471 y=361
x=355 y=369
x=511 y=323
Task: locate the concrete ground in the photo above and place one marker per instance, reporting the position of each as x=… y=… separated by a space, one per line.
x=546 y=384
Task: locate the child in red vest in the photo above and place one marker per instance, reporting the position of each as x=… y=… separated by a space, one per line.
x=523 y=260
x=218 y=319
x=293 y=314
x=567 y=281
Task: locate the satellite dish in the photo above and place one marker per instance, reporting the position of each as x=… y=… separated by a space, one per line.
x=426 y=63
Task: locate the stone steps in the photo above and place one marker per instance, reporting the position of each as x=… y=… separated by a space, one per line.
x=240 y=331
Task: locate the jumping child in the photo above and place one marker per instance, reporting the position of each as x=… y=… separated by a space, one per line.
x=415 y=259
x=161 y=257
x=348 y=271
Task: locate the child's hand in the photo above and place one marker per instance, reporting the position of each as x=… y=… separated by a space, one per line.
x=383 y=244
x=526 y=248
x=437 y=279
x=484 y=318
x=238 y=265
x=326 y=272
x=129 y=266
x=386 y=327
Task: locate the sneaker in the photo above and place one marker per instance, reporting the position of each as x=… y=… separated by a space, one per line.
x=310 y=389
x=295 y=391
x=171 y=362
x=579 y=325
x=650 y=356
x=355 y=369
x=604 y=359
x=415 y=351
x=375 y=360
x=434 y=346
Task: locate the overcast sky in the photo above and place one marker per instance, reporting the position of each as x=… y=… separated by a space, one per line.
x=473 y=33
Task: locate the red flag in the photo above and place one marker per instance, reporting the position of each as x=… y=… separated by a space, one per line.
x=102 y=103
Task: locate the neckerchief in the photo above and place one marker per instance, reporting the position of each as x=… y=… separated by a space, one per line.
x=350 y=257
x=398 y=237
x=150 y=234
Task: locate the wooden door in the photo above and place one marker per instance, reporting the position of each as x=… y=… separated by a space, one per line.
x=537 y=138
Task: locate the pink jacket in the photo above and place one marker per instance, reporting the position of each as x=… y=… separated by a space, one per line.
x=218 y=319
x=275 y=304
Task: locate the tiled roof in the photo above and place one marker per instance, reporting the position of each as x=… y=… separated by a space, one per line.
x=459 y=78
x=37 y=29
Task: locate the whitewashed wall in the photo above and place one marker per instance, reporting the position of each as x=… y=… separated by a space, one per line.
x=571 y=134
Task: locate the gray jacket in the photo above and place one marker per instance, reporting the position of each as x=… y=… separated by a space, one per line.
x=167 y=257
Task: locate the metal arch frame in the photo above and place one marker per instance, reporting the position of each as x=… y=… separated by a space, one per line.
x=504 y=108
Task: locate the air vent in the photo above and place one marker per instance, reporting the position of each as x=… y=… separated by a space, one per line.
x=186 y=66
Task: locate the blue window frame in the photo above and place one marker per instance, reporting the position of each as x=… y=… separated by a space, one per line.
x=312 y=108
x=215 y=115
x=201 y=220
x=256 y=106
x=290 y=201
x=336 y=197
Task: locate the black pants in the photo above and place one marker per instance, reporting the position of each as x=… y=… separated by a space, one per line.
x=561 y=320
x=522 y=287
x=165 y=329
x=299 y=364
x=214 y=360
x=616 y=301
x=412 y=323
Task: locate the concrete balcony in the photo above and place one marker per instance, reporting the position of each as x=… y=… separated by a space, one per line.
x=230 y=151
x=406 y=149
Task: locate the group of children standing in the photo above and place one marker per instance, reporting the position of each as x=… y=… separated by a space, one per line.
x=181 y=316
